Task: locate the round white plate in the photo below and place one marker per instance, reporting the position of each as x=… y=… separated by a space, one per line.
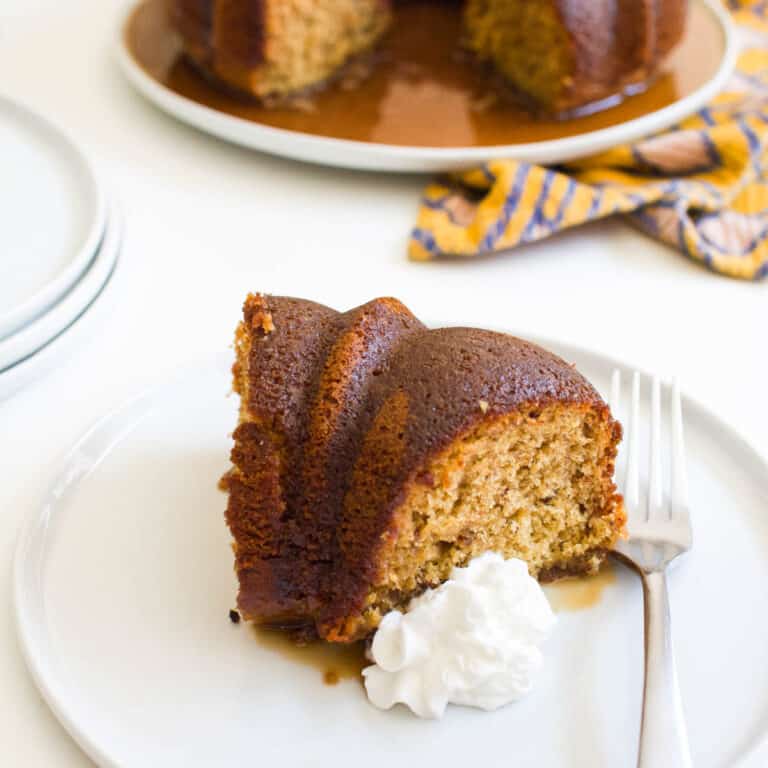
x=124 y=579
x=73 y=322
x=370 y=156
x=53 y=215
x=34 y=335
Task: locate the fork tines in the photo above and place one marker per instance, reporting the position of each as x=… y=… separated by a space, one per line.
x=663 y=517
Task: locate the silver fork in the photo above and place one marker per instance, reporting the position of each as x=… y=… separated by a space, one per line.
x=659 y=531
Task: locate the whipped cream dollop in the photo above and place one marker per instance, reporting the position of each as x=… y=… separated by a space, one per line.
x=472 y=641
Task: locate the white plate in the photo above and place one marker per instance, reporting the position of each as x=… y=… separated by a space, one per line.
x=34 y=335
x=80 y=321
x=384 y=157
x=53 y=215
x=123 y=581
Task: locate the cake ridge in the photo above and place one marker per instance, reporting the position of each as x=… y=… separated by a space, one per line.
x=314 y=451
x=363 y=339
x=275 y=386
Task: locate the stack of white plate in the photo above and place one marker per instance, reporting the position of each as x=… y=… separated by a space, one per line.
x=59 y=243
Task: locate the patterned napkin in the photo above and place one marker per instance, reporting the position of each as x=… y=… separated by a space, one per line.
x=702 y=186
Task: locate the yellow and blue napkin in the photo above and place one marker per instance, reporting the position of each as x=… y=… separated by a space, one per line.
x=701 y=186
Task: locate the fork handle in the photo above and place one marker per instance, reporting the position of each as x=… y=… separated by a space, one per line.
x=663 y=737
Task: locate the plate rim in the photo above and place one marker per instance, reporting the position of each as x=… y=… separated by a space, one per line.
x=26 y=369
x=27 y=341
x=37 y=520
x=373 y=156
x=42 y=299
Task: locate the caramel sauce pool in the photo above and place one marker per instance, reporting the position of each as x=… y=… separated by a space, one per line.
x=579 y=594
x=421 y=92
x=334 y=662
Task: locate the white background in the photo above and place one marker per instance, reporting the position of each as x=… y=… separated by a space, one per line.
x=207 y=222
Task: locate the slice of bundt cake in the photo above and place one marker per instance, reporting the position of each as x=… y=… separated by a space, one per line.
x=276 y=47
x=373 y=455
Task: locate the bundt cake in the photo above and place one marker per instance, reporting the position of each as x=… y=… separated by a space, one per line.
x=372 y=455
x=561 y=54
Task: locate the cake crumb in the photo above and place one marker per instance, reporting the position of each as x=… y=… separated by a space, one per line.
x=234 y=616
x=483 y=405
x=262 y=324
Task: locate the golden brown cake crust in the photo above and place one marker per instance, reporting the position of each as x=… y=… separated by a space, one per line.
x=339 y=415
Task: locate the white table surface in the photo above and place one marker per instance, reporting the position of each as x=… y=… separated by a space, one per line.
x=207 y=222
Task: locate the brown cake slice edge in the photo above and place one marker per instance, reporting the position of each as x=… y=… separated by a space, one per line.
x=441 y=444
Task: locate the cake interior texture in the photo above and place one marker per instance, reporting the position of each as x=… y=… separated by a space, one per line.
x=372 y=455
x=531 y=485
x=310 y=40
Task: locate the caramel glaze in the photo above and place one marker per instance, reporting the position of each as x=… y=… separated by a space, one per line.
x=333 y=661
x=579 y=594
x=336 y=662
x=422 y=90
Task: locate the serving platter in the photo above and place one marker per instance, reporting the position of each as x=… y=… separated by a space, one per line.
x=123 y=584
x=419 y=111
